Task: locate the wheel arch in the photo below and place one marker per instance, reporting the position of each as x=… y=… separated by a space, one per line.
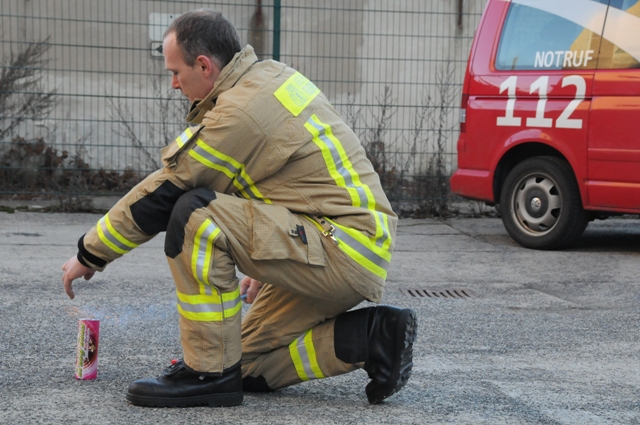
x=519 y=153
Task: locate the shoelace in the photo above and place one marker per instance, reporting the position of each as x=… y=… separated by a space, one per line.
x=176 y=365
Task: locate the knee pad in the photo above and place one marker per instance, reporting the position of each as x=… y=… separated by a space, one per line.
x=182 y=210
x=152 y=212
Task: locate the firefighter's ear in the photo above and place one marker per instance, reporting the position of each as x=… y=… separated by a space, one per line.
x=207 y=66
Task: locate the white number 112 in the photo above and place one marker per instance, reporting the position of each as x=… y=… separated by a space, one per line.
x=541 y=86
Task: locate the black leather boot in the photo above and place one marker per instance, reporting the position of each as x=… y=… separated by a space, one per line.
x=180 y=386
x=252 y=384
x=382 y=337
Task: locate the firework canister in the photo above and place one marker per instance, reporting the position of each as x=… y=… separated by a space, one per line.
x=87 y=351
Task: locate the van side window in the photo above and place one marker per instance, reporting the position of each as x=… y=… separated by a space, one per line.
x=621 y=39
x=551 y=36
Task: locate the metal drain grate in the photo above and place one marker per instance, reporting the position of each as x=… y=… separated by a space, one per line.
x=442 y=293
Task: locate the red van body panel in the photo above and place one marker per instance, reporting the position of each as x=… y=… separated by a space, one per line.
x=614 y=141
x=589 y=117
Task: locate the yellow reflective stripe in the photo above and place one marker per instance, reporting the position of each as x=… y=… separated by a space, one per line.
x=371 y=253
x=215 y=159
x=200 y=308
x=232 y=303
x=112 y=238
x=184 y=137
x=383 y=234
x=362 y=249
x=231 y=168
x=303 y=355
x=331 y=165
x=296 y=93
x=201 y=255
x=106 y=241
x=297 y=361
x=339 y=163
x=117 y=234
x=209 y=308
x=311 y=352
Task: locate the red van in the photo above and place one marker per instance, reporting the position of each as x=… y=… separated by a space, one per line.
x=550 y=120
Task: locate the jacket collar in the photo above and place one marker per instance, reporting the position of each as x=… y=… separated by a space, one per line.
x=229 y=76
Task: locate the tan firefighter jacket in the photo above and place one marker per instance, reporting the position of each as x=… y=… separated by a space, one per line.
x=267 y=134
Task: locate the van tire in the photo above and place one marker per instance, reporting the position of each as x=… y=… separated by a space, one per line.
x=540 y=204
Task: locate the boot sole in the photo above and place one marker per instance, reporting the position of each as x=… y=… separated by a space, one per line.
x=211 y=400
x=407 y=325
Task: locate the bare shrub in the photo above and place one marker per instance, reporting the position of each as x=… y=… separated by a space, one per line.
x=374 y=140
x=22 y=96
x=432 y=188
x=412 y=165
x=32 y=167
x=159 y=126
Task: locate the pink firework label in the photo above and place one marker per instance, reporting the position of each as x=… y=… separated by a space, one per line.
x=87 y=351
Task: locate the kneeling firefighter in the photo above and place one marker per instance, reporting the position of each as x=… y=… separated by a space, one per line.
x=267 y=179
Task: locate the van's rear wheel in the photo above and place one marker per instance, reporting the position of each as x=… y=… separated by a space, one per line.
x=540 y=204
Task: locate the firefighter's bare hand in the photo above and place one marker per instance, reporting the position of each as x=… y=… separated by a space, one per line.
x=73 y=269
x=250 y=287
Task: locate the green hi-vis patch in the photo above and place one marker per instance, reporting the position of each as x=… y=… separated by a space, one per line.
x=296 y=93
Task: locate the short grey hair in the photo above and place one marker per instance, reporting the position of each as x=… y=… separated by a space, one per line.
x=205 y=32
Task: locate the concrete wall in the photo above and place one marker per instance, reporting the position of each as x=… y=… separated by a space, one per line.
x=102 y=58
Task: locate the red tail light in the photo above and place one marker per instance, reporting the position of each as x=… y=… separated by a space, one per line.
x=463 y=113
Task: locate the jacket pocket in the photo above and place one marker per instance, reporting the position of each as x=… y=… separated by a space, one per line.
x=278 y=234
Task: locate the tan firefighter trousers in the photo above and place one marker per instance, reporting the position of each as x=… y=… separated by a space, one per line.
x=287 y=335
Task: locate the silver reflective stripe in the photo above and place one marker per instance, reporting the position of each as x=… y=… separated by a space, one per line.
x=112 y=238
x=385 y=231
x=228 y=305
x=225 y=164
x=349 y=183
x=361 y=249
x=184 y=138
x=229 y=166
x=346 y=175
x=304 y=357
x=202 y=253
x=200 y=308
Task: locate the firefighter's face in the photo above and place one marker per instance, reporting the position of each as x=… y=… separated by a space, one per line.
x=195 y=81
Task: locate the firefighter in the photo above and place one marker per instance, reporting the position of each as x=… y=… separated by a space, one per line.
x=267 y=179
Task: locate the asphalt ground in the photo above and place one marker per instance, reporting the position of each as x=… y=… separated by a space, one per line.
x=535 y=338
